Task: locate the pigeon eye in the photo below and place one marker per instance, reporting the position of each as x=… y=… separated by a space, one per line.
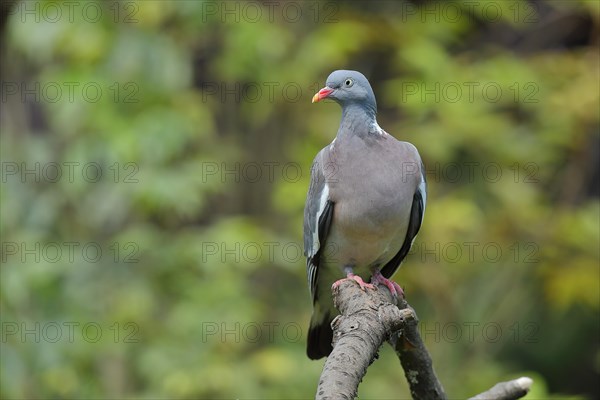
x=349 y=82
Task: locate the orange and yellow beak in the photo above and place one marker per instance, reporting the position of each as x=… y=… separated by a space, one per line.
x=321 y=94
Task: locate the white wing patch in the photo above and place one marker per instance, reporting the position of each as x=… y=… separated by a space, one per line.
x=315 y=233
x=316 y=244
x=423 y=189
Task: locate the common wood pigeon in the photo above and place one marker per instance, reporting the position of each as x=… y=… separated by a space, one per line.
x=364 y=207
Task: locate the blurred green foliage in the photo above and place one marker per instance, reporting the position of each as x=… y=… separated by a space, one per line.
x=199 y=291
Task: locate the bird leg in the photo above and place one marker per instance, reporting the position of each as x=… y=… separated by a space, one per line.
x=395 y=289
x=349 y=275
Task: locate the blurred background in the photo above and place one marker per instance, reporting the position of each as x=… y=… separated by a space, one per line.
x=155 y=161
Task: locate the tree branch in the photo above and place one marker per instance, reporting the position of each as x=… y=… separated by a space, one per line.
x=510 y=390
x=369 y=318
x=415 y=360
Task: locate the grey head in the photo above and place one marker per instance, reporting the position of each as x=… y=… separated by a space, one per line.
x=348 y=88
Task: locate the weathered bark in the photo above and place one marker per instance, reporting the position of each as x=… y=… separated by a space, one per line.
x=369 y=318
x=416 y=361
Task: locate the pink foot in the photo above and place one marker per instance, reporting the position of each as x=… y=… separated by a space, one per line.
x=356 y=278
x=394 y=288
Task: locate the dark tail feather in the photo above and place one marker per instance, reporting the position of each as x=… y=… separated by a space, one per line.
x=320 y=336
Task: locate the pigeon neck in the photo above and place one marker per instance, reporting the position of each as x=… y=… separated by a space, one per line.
x=357 y=119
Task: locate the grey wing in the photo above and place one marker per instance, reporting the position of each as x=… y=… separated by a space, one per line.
x=318 y=213
x=417 y=212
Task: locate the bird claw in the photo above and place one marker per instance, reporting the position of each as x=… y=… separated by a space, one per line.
x=363 y=285
x=394 y=288
x=377 y=278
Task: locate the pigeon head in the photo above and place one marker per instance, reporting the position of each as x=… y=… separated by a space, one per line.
x=348 y=88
